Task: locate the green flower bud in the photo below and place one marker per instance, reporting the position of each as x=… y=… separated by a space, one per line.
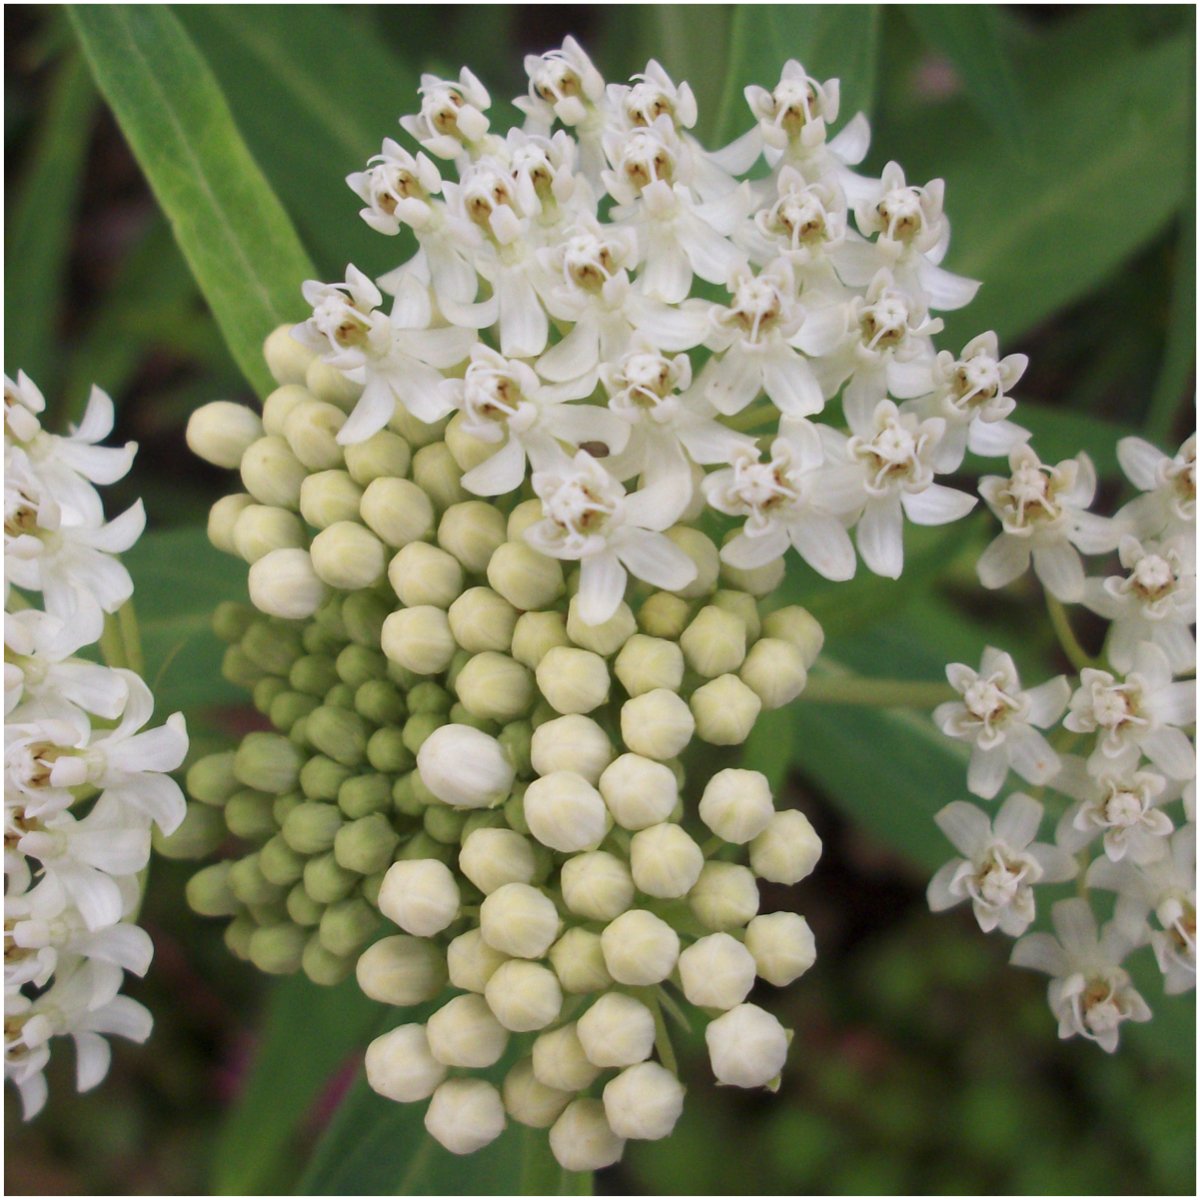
x=638 y=791
x=665 y=861
x=417 y=729
x=656 y=724
x=725 y=896
x=387 y=752
x=287 y=360
x=466 y=449
x=741 y=605
x=266 y=690
x=279 y=863
x=314 y=674
x=565 y=812
x=356 y=664
x=758 y=581
x=774 y=670
x=362 y=795
x=429 y=697
x=617 y=1031
x=714 y=643
x=339 y=733
x=525 y=514
x=525 y=578
x=419 y=639
x=371 y=886
x=364 y=613
x=321 y=779
x=482 y=620
x=237 y=936
x=231 y=620
x=571 y=743
x=277 y=949
x=281 y=402
x=328 y=497
x=517 y=739
x=471 y=962
x=321 y=965
x=700 y=549
x=416 y=433
x=537 y=633
x=787 y=850
x=605 y=639
x=221 y=432
x=578 y=961
x=524 y=996
x=737 y=805
x=716 y=971
x=471 y=531
x=317 y=639
x=249 y=885
x=384 y=455
x=347 y=926
x=341 y=695
x=249 y=815
x=495 y=686
x=284 y=583
x=366 y=844
x=347 y=556
x=211 y=779
x=259 y=529
x=435 y=472
x=458 y=715
x=397 y=510
x=639 y=948
x=284 y=805
x=420 y=895
x=402 y=970
x=272 y=474
x=311 y=828
x=400 y=1066
x=297 y=735
x=302 y=908
x=331 y=385
x=529 y=1101
x=310 y=431
x=514 y=810
x=327 y=882
x=491 y=858
x=782 y=945
x=199 y=833
x=573 y=681
x=725 y=710
x=425 y=575
x=559 y=1060
x=380 y=703
x=443 y=824
x=596 y=885
x=268 y=762
x=798 y=626
x=239 y=669
x=646 y=663
x=222 y=521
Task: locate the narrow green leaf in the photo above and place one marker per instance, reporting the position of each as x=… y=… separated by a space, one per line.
x=1060 y=433
x=232 y=230
x=307 y=1033
x=1179 y=355
x=39 y=228
x=971 y=37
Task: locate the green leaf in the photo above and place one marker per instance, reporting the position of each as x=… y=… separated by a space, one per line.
x=693 y=45
x=39 y=228
x=832 y=41
x=971 y=37
x=178 y=579
x=1060 y=433
x=1171 y=391
x=307 y=1033
x=231 y=228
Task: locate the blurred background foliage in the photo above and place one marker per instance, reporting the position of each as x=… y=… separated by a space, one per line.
x=921 y=1064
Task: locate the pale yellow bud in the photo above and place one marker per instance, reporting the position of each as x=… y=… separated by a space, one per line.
x=572 y=680
x=490 y=858
x=435 y=471
x=657 y=724
x=284 y=584
x=559 y=1060
x=787 y=850
x=746 y=1046
x=700 y=549
x=397 y=510
x=383 y=455
x=617 y=1031
x=565 y=812
x=471 y=962
x=536 y=633
x=524 y=996
x=798 y=626
x=725 y=710
x=260 y=529
x=421 y=574
x=596 y=885
x=638 y=791
x=604 y=639
x=272 y=474
x=471 y=531
x=465 y=1115
x=416 y=433
x=464 y=1032
x=311 y=431
x=467 y=450
x=639 y=948
x=222 y=520
x=495 y=687
x=221 y=432
x=782 y=945
x=418 y=639
x=420 y=895
x=519 y=920
x=665 y=861
x=758 y=581
x=530 y=1101
x=581 y=1139
x=281 y=402
x=744 y=606
x=328 y=497
x=348 y=557
x=664 y=616
x=716 y=971
x=737 y=804
x=331 y=385
x=525 y=578
x=525 y=515
x=571 y=743
x=644 y=1101
x=725 y=896
x=287 y=359
x=578 y=962
x=775 y=671
x=646 y=663
x=714 y=643
x=482 y=620
x=402 y=970
x=400 y=1066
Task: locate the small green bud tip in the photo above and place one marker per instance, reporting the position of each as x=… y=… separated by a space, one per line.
x=268 y=762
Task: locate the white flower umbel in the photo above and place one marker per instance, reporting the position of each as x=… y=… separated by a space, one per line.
x=1001 y=863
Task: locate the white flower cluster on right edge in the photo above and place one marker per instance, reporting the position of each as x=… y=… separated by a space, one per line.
x=1124 y=796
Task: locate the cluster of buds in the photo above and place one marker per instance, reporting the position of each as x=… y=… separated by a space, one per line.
x=1119 y=775
x=512 y=538
x=82 y=785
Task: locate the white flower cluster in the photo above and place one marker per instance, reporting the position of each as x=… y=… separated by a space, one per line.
x=81 y=785
x=1125 y=795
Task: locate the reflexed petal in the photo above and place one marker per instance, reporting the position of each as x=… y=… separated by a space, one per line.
x=92 y=1058
x=945 y=290
x=746 y=553
x=732 y=381
x=1171 y=751
x=575 y=355
x=1048 y=701
x=790 y=383
x=1140 y=461
x=938 y=893
x=1075 y=925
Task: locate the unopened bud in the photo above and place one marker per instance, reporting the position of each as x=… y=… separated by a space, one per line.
x=347 y=556
x=787 y=850
x=464 y=767
x=574 y=743
x=287 y=359
x=638 y=791
x=416 y=433
x=665 y=861
x=700 y=549
x=221 y=432
x=758 y=581
x=495 y=686
x=321 y=778
x=775 y=671
x=737 y=804
x=329 y=497
x=281 y=402
x=529 y=1101
x=519 y=920
x=248 y=815
x=464 y=1032
x=581 y=1139
x=471 y=962
x=480 y=619
x=222 y=520
x=435 y=471
x=714 y=643
x=716 y=971
x=472 y=531
x=798 y=626
x=279 y=863
x=276 y=950
x=664 y=616
x=363 y=795
x=400 y=1066
x=387 y=752
x=272 y=474
x=725 y=896
x=237 y=936
x=644 y=1101
x=311 y=430
x=725 y=710
x=302 y=908
x=465 y=1115
x=347 y=926
x=565 y=812
x=657 y=724
x=524 y=996
x=441 y=823
x=331 y=385
x=573 y=681
x=249 y=885
x=617 y=1031
x=491 y=858
x=326 y=881
x=420 y=895
x=782 y=945
x=268 y=762
x=639 y=948
x=397 y=510
x=747 y=1046
x=646 y=663
x=208 y=891
x=526 y=514
x=421 y=574
x=339 y=733
x=525 y=578
x=596 y=885
x=314 y=674
x=199 y=833
x=365 y=845
x=322 y=966
x=211 y=779
x=743 y=606
x=606 y=638
x=559 y=1060
x=578 y=961
x=419 y=639
x=284 y=584
x=384 y=455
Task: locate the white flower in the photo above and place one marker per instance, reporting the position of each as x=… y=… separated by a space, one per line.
x=999 y=719
x=39 y=669
x=1169 y=504
x=23 y=405
x=806 y=224
x=397 y=188
x=452 y=118
x=1001 y=864
x=1090 y=992
x=1118 y=803
x=589 y=518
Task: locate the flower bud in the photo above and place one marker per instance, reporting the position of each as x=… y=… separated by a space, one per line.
x=425 y=575
x=281 y=402
x=582 y=1140
x=248 y=815
x=573 y=681
x=758 y=581
x=276 y=949
x=396 y=510
x=272 y=474
x=329 y=497
x=574 y=743
x=466 y=449
x=400 y=1066
x=419 y=639
x=665 y=861
x=417 y=730
x=222 y=520
x=347 y=926
x=365 y=845
x=464 y=1032
x=787 y=850
x=525 y=578
x=386 y=751
x=798 y=626
x=747 y=1047
x=638 y=791
x=463 y=767
x=782 y=945
x=775 y=671
x=341 y=695
x=274 y=647
x=266 y=690
x=524 y=996
x=331 y=385
x=596 y=885
x=714 y=643
x=302 y=908
x=322 y=966
x=526 y=514
x=429 y=697
x=379 y=703
x=495 y=686
x=211 y=779
x=267 y=762
x=441 y=823
x=529 y=1101
x=646 y=663
x=237 y=936
x=604 y=639
x=402 y=970
x=419 y=895
x=208 y=891
x=199 y=833
x=517 y=739
x=725 y=710
x=347 y=556
x=559 y=1061
x=248 y=883
x=416 y=433
x=310 y=430
x=314 y=674
x=644 y=1101
x=286 y=358
x=284 y=584
x=639 y=948
x=326 y=881
x=716 y=971
x=339 y=733
x=482 y=620
x=465 y=1115
x=239 y=669
x=737 y=804
x=664 y=616
x=471 y=531
x=657 y=724
x=221 y=432
x=471 y=962
x=700 y=549
x=435 y=471
x=384 y=455
x=565 y=812
x=725 y=896
x=491 y=858
x=578 y=961
x=617 y=1031
x=519 y=920
x=743 y=606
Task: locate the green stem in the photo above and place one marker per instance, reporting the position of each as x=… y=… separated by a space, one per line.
x=875 y=693
x=112 y=644
x=751 y=418
x=127 y=623
x=662 y=1039
x=1078 y=657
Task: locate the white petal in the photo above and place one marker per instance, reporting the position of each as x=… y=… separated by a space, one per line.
x=790 y=383
x=92 y=1058
x=503 y=472
x=995 y=439
x=601 y=587
x=938 y=893
x=1005 y=559
x=944 y=290
x=1060 y=569
x=1040 y=952
x=936 y=505
x=1048 y=701
x=880 y=536
x=1032 y=757
x=1171 y=751
x=967 y=828
x=823 y=543
x=1018 y=820
x=575 y=355
x=653 y=557
x=987 y=771
x=1139 y=460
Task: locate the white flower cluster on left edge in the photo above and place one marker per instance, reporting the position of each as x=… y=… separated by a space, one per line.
x=81 y=785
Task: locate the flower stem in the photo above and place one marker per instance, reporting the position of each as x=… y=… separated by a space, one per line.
x=662 y=1039
x=750 y=418
x=131 y=637
x=1078 y=657
x=876 y=693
